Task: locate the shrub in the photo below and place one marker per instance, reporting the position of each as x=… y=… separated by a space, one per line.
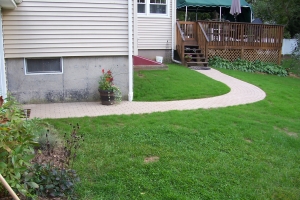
x=52 y=181
x=296 y=51
x=247 y=66
x=16 y=144
x=48 y=141
x=51 y=170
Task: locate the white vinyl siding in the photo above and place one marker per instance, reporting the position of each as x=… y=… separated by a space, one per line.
x=155 y=32
x=60 y=28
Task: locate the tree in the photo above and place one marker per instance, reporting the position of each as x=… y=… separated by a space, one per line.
x=279 y=12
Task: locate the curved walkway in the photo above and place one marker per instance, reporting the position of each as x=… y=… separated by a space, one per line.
x=241 y=93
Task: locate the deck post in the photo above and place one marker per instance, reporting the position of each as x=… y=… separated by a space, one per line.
x=242 y=53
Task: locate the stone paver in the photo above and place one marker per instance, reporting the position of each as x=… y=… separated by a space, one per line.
x=241 y=93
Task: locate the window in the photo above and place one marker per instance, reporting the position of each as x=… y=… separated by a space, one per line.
x=152 y=7
x=158 y=6
x=141 y=6
x=43 y=65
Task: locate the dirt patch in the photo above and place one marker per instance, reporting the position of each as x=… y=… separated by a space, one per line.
x=56 y=157
x=286 y=131
x=292 y=134
x=293 y=75
x=141 y=75
x=151 y=159
x=248 y=140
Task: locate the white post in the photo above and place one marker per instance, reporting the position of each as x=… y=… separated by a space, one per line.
x=185 y=13
x=174 y=33
x=130 y=63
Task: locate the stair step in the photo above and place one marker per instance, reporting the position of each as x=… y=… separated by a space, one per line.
x=189 y=49
x=193 y=53
x=197 y=62
x=191 y=43
x=198 y=57
x=200 y=67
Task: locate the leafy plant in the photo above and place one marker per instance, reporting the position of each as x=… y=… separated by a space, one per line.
x=71 y=145
x=188 y=56
x=53 y=181
x=16 y=144
x=52 y=169
x=48 y=141
x=106 y=83
x=247 y=66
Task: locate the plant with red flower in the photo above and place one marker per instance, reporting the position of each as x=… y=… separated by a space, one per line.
x=106 y=83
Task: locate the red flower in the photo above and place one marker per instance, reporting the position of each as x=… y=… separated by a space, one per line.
x=109 y=72
x=102 y=71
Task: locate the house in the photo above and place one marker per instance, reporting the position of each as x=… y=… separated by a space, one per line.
x=55 y=50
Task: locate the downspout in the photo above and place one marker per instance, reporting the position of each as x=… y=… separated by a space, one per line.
x=173 y=31
x=130 y=63
x=3 y=89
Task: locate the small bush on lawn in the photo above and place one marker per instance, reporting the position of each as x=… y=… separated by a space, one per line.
x=33 y=159
x=16 y=144
x=247 y=66
x=53 y=162
x=52 y=181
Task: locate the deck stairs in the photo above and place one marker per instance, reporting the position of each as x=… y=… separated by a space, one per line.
x=198 y=59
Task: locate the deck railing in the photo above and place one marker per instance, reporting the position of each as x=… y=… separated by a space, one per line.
x=235 y=40
x=237 y=34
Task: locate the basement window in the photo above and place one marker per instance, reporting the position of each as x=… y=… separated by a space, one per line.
x=43 y=65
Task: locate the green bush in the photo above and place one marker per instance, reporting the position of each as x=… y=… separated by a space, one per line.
x=18 y=138
x=52 y=181
x=51 y=171
x=247 y=66
x=16 y=144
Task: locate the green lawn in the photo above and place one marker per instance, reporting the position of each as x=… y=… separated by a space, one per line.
x=239 y=152
x=176 y=83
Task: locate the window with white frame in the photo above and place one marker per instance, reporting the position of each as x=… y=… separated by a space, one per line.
x=43 y=65
x=152 y=7
x=141 y=6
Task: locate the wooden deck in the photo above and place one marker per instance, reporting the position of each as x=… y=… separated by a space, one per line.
x=230 y=40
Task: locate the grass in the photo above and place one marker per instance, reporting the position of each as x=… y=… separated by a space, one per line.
x=239 y=152
x=179 y=83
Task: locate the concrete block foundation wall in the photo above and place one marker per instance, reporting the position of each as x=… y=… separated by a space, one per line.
x=78 y=82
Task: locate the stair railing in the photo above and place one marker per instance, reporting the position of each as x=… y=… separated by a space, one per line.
x=180 y=39
x=202 y=40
